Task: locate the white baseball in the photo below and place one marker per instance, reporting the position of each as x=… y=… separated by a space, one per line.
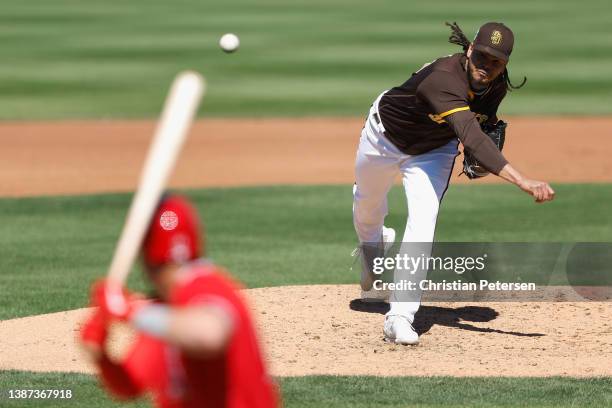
x=229 y=42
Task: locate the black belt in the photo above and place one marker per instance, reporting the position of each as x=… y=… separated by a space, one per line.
x=379 y=122
x=376 y=118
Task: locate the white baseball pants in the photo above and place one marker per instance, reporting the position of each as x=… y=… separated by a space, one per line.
x=425 y=178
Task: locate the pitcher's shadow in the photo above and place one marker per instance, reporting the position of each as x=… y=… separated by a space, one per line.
x=428 y=316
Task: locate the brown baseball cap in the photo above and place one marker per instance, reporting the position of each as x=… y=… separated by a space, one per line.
x=495 y=39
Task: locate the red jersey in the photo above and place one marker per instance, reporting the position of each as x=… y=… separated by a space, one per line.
x=237 y=378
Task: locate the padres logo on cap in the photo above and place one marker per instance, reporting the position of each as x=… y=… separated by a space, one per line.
x=496 y=37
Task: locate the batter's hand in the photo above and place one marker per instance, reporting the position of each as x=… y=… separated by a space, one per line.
x=115 y=301
x=540 y=190
x=93 y=334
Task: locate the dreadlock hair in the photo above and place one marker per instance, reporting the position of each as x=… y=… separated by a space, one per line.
x=458 y=37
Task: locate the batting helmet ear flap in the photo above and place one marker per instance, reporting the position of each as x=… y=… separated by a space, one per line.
x=173 y=235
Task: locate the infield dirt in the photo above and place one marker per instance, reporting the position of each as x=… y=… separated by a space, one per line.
x=327 y=330
x=106 y=156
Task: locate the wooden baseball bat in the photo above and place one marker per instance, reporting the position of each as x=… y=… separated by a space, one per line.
x=177 y=115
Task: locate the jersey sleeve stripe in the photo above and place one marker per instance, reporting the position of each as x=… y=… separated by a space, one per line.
x=450 y=112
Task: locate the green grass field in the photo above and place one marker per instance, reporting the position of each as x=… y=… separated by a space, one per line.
x=267 y=236
x=366 y=392
x=54 y=247
x=86 y=59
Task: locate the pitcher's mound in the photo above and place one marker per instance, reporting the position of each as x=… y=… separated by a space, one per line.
x=325 y=329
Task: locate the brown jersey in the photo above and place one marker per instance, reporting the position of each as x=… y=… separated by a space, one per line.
x=437 y=105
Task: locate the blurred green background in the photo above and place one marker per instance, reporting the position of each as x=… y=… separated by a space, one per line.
x=115 y=59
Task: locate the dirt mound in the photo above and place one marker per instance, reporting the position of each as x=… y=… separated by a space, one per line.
x=328 y=330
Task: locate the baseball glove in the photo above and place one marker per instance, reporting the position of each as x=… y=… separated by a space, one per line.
x=497 y=133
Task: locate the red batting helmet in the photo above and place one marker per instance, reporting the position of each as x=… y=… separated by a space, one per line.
x=173 y=235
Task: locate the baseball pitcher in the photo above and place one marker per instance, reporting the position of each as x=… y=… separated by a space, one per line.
x=414 y=130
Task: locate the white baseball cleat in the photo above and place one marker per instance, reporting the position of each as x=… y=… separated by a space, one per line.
x=367 y=276
x=399 y=330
